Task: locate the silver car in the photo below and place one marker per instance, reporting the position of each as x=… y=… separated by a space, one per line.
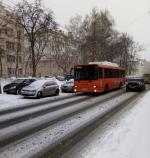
x=68 y=86
x=41 y=88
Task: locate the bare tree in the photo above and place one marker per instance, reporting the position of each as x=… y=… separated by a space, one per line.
x=126 y=51
x=37 y=22
x=64 y=61
x=94 y=34
x=19 y=36
x=67 y=58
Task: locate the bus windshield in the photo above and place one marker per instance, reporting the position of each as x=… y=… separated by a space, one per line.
x=86 y=72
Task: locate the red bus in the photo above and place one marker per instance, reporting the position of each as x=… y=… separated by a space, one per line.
x=97 y=77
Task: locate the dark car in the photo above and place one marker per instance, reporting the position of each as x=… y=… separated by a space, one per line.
x=68 y=77
x=15 y=86
x=68 y=86
x=147 y=81
x=135 y=84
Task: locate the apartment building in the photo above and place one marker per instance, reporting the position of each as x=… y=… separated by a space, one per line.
x=142 y=67
x=11 y=46
x=59 y=44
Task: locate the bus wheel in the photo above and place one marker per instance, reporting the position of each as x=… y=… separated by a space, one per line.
x=106 y=89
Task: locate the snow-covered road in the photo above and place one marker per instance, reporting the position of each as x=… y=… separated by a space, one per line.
x=125 y=135
x=31 y=129
x=39 y=142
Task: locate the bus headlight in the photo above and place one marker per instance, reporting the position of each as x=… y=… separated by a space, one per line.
x=75 y=90
x=95 y=86
x=95 y=90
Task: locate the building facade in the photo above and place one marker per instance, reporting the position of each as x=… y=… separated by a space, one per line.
x=58 y=57
x=60 y=54
x=142 y=67
x=11 y=46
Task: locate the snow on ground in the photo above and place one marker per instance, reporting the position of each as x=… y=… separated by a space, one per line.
x=7 y=100
x=60 y=130
x=125 y=135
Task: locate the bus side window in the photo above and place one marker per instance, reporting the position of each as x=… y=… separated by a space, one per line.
x=116 y=73
x=121 y=73
x=106 y=73
x=100 y=73
x=110 y=73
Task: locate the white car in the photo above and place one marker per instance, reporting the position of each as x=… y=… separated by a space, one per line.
x=41 y=88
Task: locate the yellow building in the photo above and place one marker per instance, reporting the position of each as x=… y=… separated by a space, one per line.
x=11 y=46
x=48 y=64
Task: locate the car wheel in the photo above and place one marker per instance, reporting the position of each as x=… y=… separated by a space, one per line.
x=57 y=92
x=18 y=91
x=39 y=94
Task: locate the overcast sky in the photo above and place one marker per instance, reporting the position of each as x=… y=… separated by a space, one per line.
x=131 y=16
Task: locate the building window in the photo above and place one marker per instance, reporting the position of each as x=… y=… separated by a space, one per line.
x=9 y=32
x=20 y=72
x=10 y=45
x=11 y=71
x=11 y=59
x=20 y=60
x=30 y=65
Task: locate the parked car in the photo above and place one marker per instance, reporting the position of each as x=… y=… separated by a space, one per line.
x=15 y=86
x=135 y=84
x=41 y=88
x=60 y=78
x=147 y=81
x=68 y=86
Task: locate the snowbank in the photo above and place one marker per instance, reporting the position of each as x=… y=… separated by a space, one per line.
x=125 y=135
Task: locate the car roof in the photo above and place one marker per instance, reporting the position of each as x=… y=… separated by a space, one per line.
x=135 y=77
x=45 y=80
x=23 y=78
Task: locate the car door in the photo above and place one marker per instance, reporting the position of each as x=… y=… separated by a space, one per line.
x=52 y=87
x=46 y=89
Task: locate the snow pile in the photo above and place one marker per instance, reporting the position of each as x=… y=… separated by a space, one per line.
x=106 y=63
x=125 y=135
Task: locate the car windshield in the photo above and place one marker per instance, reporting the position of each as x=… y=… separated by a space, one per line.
x=18 y=81
x=38 y=83
x=69 y=82
x=87 y=72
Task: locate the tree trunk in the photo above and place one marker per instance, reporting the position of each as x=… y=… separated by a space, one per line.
x=33 y=59
x=1 y=66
